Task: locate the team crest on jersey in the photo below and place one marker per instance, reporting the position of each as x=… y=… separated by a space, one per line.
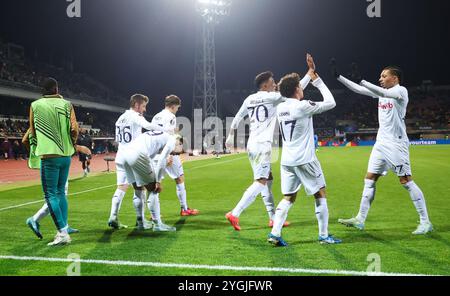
x=312 y=103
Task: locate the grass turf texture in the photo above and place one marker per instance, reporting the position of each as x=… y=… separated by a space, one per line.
x=214 y=187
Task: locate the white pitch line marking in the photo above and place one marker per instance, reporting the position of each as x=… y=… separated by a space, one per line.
x=94 y=189
x=211 y=267
x=42 y=200
x=215 y=163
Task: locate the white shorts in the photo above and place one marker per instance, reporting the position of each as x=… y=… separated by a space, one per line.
x=390 y=156
x=310 y=175
x=121 y=176
x=175 y=171
x=260 y=156
x=137 y=168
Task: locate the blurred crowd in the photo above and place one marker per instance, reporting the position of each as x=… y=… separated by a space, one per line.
x=16 y=70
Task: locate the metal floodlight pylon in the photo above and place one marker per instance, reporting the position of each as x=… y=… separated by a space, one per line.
x=205 y=91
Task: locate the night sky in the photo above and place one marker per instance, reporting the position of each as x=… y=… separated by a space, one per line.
x=148 y=45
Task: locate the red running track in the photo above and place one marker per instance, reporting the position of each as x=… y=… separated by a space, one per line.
x=17 y=170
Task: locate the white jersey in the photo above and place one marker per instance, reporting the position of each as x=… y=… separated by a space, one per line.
x=296 y=126
x=153 y=143
x=167 y=120
x=391 y=115
x=129 y=127
x=261 y=110
x=392 y=104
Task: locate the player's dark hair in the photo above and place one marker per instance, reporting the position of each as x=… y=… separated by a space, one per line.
x=395 y=71
x=49 y=86
x=139 y=99
x=172 y=100
x=288 y=85
x=262 y=77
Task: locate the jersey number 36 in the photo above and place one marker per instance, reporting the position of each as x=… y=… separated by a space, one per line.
x=123 y=135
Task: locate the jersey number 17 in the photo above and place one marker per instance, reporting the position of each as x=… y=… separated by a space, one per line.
x=289 y=131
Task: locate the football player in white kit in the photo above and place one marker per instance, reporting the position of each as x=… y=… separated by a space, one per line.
x=391 y=150
x=168 y=121
x=128 y=127
x=299 y=163
x=261 y=109
x=137 y=161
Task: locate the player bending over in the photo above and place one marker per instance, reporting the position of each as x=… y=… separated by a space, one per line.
x=299 y=163
x=136 y=160
x=128 y=127
x=391 y=150
x=168 y=121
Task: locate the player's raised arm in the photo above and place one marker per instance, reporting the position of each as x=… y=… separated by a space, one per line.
x=356 y=87
x=395 y=92
x=311 y=70
x=328 y=99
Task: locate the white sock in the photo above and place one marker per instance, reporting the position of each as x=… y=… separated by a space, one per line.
x=66 y=188
x=154 y=206
x=280 y=216
x=64 y=230
x=41 y=214
x=144 y=202
x=137 y=203
x=367 y=198
x=267 y=197
x=116 y=203
x=322 y=216
x=181 y=193
x=419 y=201
x=248 y=198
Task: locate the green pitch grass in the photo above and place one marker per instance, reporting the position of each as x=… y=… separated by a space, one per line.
x=214 y=187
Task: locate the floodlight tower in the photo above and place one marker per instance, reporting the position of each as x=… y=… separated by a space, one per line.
x=205 y=92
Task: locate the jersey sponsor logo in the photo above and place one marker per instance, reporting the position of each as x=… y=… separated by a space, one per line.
x=387 y=106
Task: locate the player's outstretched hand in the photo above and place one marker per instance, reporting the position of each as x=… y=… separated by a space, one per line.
x=310 y=62
x=356 y=75
x=333 y=68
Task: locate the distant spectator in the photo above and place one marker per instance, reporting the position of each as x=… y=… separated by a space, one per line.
x=16 y=149
x=6 y=149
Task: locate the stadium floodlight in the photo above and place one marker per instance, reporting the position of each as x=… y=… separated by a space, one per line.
x=205 y=92
x=213 y=11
